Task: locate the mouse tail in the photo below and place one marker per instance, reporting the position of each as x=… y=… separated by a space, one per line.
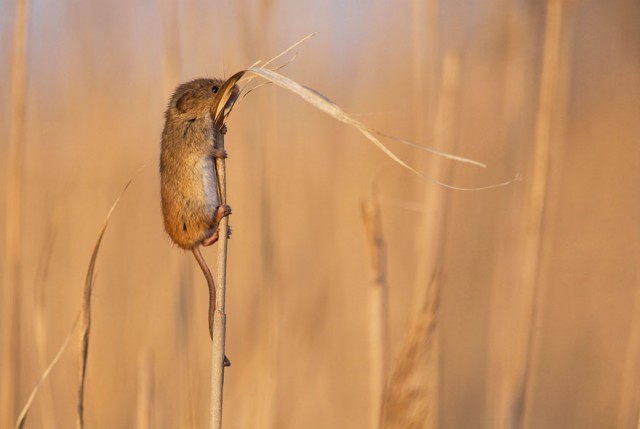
x=210 y=283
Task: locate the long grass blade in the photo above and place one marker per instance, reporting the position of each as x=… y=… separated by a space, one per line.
x=85 y=312
x=324 y=104
x=327 y=106
x=85 y=316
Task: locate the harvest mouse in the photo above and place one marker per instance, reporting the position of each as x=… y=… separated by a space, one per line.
x=189 y=184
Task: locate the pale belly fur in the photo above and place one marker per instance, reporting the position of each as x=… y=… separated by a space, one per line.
x=210 y=182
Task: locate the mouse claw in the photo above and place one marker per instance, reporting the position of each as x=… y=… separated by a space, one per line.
x=222 y=211
x=223 y=130
x=219 y=153
x=226 y=362
x=211 y=239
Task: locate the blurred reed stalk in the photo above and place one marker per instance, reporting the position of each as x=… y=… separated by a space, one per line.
x=378 y=307
x=184 y=335
x=426 y=74
x=518 y=91
x=219 y=316
x=12 y=278
x=47 y=406
x=171 y=44
x=628 y=415
x=170 y=16
x=146 y=387
x=266 y=159
x=425 y=62
x=528 y=327
x=412 y=395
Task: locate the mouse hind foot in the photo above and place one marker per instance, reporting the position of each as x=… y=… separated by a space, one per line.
x=215 y=236
x=214 y=233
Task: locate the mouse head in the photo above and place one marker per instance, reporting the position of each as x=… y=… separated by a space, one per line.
x=194 y=99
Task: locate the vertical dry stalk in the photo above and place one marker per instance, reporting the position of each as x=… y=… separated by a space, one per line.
x=146 y=386
x=628 y=415
x=219 y=316
x=12 y=279
x=431 y=225
x=425 y=41
x=47 y=406
x=516 y=105
x=411 y=396
x=528 y=325
x=171 y=42
x=411 y=399
x=266 y=159
x=378 y=307
x=183 y=343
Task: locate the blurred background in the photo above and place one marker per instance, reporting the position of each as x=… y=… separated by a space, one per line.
x=511 y=307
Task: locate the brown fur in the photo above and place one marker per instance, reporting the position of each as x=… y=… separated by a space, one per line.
x=189 y=185
x=189 y=203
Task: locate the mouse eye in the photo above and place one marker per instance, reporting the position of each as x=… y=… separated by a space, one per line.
x=215 y=89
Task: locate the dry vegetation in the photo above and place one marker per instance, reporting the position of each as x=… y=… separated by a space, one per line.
x=515 y=307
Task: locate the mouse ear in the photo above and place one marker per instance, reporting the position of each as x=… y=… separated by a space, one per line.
x=186 y=101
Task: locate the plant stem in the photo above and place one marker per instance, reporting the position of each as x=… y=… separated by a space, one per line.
x=219 y=317
x=378 y=307
x=531 y=287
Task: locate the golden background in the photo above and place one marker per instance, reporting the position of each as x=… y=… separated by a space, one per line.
x=465 y=76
